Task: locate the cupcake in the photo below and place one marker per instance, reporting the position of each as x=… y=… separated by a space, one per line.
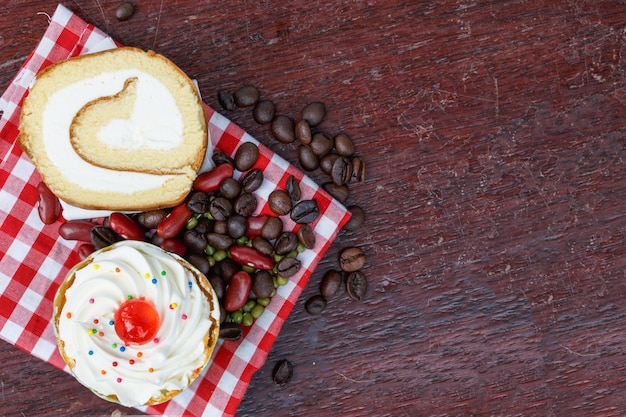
x=136 y=324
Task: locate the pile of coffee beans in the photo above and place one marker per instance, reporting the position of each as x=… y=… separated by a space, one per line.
x=335 y=156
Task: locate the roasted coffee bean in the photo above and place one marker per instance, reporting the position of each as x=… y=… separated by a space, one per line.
x=217 y=282
x=327 y=161
x=313 y=113
x=226 y=268
x=344 y=145
x=231 y=332
x=230 y=188
x=252 y=180
x=305 y=211
x=303 y=132
x=49 y=207
x=262 y=245
x=237 y=226
x=279 y=202
x=358 y=170
x=198 y=202
x=356 y=219
x=124 y=11
x=288 y=267
x=245 y=204
x=283 y=129
x=285 y=243
x=282 y=373
x=102 y=236
x=351 y=259
x=356 y=285
x=220 y=158
x=321 y=144
x=204 y=225
x=264 y=111
x=194 y=241
x=218 y=241
x=263 y=284
x=226 y=100
x=221 y=227
x=306 y=236
x=293 y=188
x=246 y=96
x=272 y=228
x=341 y=171
x=340 y=192
x=220 y=208
x=308 y=160
x=199 y=261
x=315 y=305
x=330 y=283
x=151 y=219
x=246 y=156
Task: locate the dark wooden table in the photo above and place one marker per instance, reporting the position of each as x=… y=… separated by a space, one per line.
x=495 y=142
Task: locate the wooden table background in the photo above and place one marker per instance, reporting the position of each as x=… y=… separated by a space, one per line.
x=495 y=142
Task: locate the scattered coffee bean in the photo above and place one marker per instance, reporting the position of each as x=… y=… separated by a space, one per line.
x=246 y=96
x=315 y=305
x=285 y=243
x=245 y=204
x=351 y=259
x=272 y=228
x=306 y=236
x=344 y=145
x=288 y=267
x=340 y=192
x=314 y=113
x=279 y=202
x=358 y=170
x=293 y=188
x=231 y=332
x=246 y=155
x=264 y=111
x=102 y=236
x=124 y=11
x=262 y=245
x=219 y=158
x=230 y=188
x=198 y=202
x=200 y=262
x=220 y=226
x=283 y=129
x=356 y=285
x=194 y=241
x=237 y=226
x=305 y=211
x=356 y=219
x=282 y=373
x=226 y=100
x=341 y=171
x=220 y=208
x=252 y=180
x=303 y=132
x=151 y=219
x=331 y=283
x=321 y=144
x=327 y=161
x=308 y=160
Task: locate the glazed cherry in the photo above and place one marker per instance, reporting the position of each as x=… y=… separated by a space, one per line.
x=137 y=321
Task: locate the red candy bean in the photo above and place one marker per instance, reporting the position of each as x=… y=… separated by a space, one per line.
x=251 y=257
x=76 y=230
x=211 y=180
x=49 y=205
x=174 y=223
x=126 y=227
x=174 y=246
x=85 y=250
x=237 y=291
x=255 y=224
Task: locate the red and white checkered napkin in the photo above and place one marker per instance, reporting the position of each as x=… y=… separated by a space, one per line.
x=34 y=259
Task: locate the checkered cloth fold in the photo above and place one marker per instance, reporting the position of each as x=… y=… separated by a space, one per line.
x=34 y=258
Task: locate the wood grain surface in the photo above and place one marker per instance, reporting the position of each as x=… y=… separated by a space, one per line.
x=494 y=135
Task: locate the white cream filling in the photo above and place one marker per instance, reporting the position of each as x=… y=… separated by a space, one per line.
x=135 y=373
x=153 y=98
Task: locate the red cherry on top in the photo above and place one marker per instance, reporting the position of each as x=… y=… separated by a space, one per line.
x=136 y=321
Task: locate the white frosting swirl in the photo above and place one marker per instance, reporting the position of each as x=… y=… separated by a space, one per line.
x=135 y=373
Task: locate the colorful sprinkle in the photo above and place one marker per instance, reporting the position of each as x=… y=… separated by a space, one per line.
x=68 y=315
x=139 y=354
x=91 y=301
x=101 y=334
x=163 y=273
x=184 y=317
x=122 y=348
x=114 y=345
x=156 y=340
x=173 y=306
x=95 y=321
x=150 y=369
x=111 y=322
x=119 y=380
x=90 y=352
x=114 y=364
x=117 y=269
x=130 y=297
x=154 y=280
x=96 y=266
x=147 y=275
x=131 y=361
x=92 y=331
x=103 y=372
x=190 y=284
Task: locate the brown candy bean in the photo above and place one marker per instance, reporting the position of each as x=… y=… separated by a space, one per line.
x=263 y=284
x=344 y=145
x=246 y=96
x=327 y=161
x=264 y=111
x=303 y=132
x=124 y=11
x=321 y=144
x=246 y=156
x=314 y=113
x=151 y=219
x=272 y=228
x=283 y=129
x=308 y=160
